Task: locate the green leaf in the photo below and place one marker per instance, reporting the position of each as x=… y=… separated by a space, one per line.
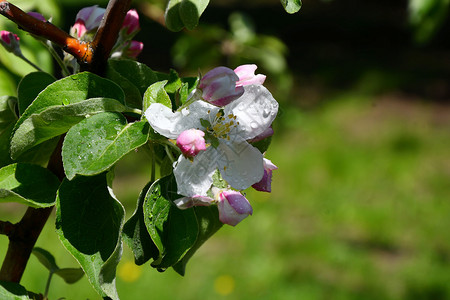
x=29 y=184
x=12 y=291
x=56 y=120
x=88 y=223
x=40 y=154
x=98 y=142
x=262 y=145
x=156 y=94
x=73 y=89
x=173 y=231
x=70 y=275
x=291 y=6
x=7 y=120
x=135 y=233
x=208 y=224
x=184 y=13
x=133 y=77
x=30 y=86
x=46 y=259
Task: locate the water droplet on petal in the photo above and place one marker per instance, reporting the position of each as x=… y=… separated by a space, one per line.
x=253 y=125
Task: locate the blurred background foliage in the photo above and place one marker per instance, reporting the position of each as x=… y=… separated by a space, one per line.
x=359 y=208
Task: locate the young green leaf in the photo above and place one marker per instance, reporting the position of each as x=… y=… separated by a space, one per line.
x=73 y=89
x=156 y=94
x=88 y=223
x=291 y=6
x=56 y=120
x=70 y=275
x=97 y=143
x=173 y=231
x=30 y=86
x=135 y=233
x=133 y=77
x=184 y=13
x=46 y=259
x=28 y=184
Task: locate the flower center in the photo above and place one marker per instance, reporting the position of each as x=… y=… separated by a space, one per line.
x=222 y=124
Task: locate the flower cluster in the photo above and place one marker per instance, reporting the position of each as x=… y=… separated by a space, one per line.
x=229 y=109
x=87 y=22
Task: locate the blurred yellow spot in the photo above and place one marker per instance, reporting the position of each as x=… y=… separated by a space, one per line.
x=129 y=272
x=224 y=285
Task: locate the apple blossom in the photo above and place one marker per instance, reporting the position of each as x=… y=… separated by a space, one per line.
x=87 y=19
x=191 y=142
x=265 y=184
x=227 y=129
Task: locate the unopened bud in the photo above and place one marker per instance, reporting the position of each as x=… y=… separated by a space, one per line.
x=219 y=86
x=233 y=207
x=191 y=142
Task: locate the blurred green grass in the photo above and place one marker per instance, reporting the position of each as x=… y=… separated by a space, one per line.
x=359 y=210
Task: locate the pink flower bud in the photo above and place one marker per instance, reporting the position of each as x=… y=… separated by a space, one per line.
x=131 y=22
x=233 y=207
x=191 y=142
x=37 y=15
x=134 y=48
x=10 y=41
x=246 y=74
x=265 y=184
x=219 y=86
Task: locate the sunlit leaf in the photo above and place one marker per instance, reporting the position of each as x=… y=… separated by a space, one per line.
x=291 y=6
x=96 y=143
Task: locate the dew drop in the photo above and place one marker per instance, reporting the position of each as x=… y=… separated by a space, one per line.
x=253 y=125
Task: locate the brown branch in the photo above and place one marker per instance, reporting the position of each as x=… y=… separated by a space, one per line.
x=107 y=34
x=6 y=228
x=23 y=235
x=80 y=50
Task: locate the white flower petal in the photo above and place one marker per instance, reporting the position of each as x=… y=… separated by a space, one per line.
x=171 y=124
x=255 y=111
x=195 y=177
x=240 y=164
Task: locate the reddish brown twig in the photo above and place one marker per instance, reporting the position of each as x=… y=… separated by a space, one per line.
x=107 y=34
x=80 y=50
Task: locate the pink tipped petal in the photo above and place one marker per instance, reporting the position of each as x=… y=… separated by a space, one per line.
x=233 y=207
x=131 y=22
x=78 y=29
x=267 y=133
x=91 y=16
x=191 y=142
x=246 y=74
x=37 y=15
x=5 y=35
x=265 y=184
x=10 y=41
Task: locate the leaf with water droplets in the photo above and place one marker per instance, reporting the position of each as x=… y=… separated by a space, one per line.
x=97 y=143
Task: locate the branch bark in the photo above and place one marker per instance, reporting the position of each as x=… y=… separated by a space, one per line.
x=82 y=51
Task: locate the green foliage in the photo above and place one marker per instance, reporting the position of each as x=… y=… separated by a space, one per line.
x=13 y=291
x=133 y=77
x=30 y=86
x=426 y=17
x=97 y=143
x=156 y=93
x=69 y=275
x=184 y=13
x=28 y=184
x=88 y=222
x=7 y=120
x=291 y=6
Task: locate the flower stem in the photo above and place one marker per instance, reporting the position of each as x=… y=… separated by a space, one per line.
x=30 y=63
